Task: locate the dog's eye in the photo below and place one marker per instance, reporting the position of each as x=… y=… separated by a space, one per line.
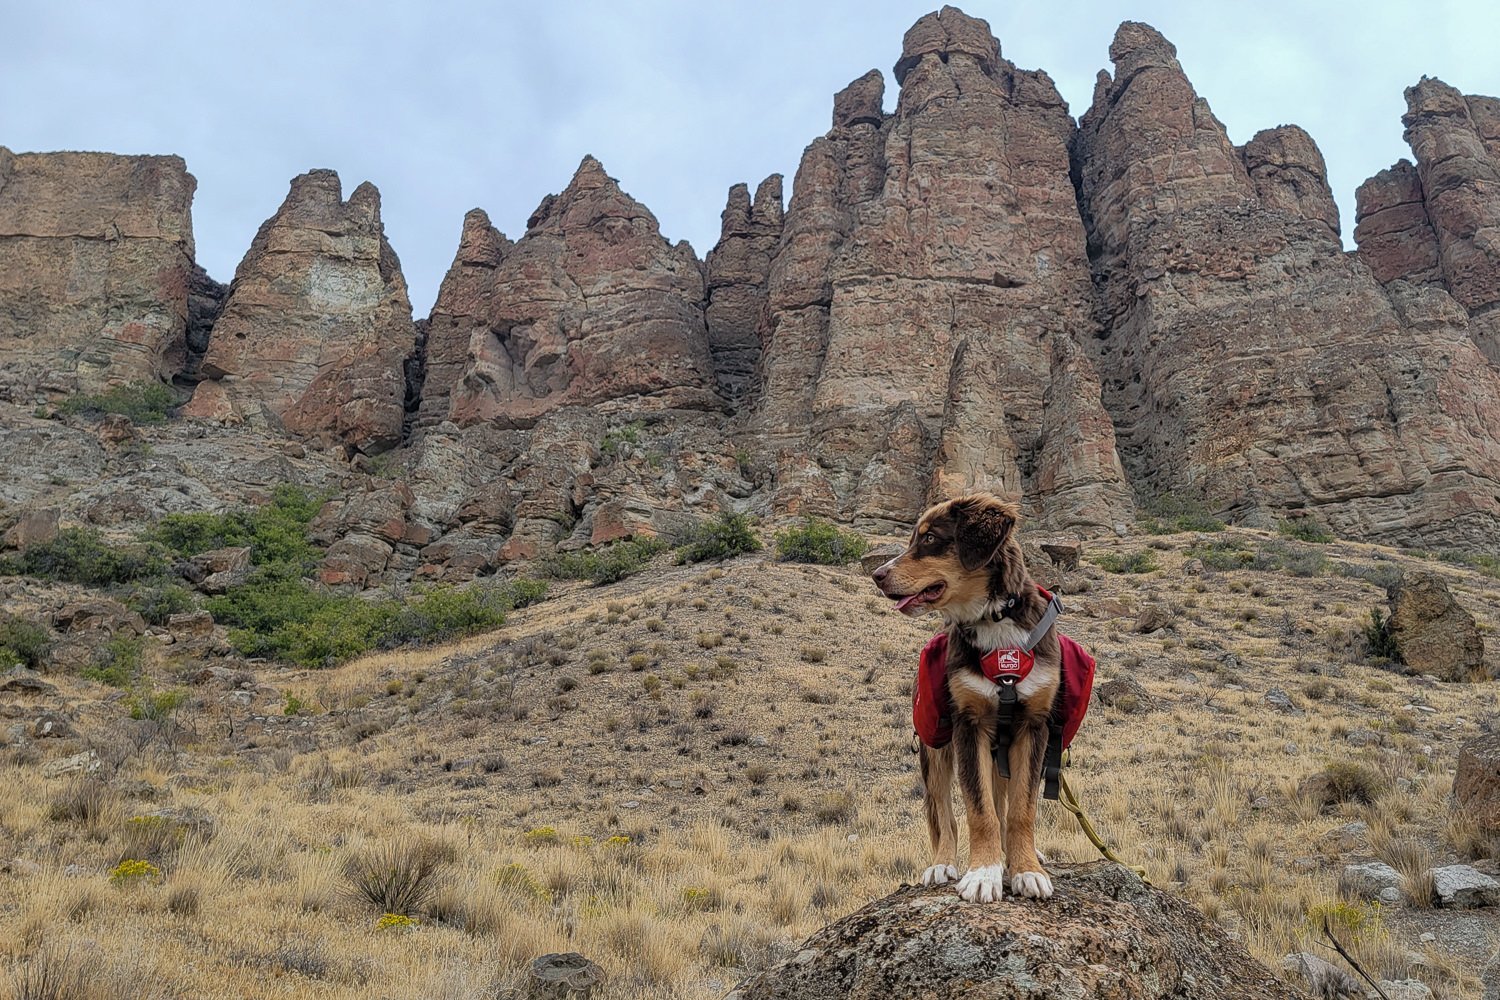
x=930 y=538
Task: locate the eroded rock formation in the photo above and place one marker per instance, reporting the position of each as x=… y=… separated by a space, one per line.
x=590 y=306
x=1248 y=361
x=1440 y=221
x=96 y=259
x=317 y=325
x=738 y=268
x=931 y=266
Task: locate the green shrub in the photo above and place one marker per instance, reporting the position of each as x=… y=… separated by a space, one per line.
x=719 y=538
x=1378 y=641
x=1221 y=554
x=1348 y=781
x=605 y=565
x=158 y=600
x=23 y=643
x=1142 y=561
x=276 y=531
x=142 y=402
x=156 y=706
x=118 y=663
x=819 y=541
x=1485 y=563
x=1169 y=513
x=450 y=612
x=619 y=440
x=81 y=555
x=1304 y=529
x=1294 y=559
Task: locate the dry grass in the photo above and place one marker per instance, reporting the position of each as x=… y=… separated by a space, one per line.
x=683 y=831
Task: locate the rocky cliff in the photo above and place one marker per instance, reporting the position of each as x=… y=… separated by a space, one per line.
x=96 y=262
x=973 y=290
x=317 y=325
x=1248 y=359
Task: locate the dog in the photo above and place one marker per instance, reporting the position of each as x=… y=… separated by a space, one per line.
x=963 y=561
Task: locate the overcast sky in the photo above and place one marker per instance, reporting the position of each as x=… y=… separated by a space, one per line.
x=448 y=106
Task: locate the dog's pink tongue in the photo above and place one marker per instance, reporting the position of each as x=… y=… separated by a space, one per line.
x=908 y=600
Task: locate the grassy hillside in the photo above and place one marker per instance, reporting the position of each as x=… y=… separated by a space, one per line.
x=682 y=773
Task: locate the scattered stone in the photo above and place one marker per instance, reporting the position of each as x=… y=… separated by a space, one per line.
x=115 y=430
x=1476 y=784
x=1282 y=702
x=1352 y=836
x=927 y=943
x=1363 y=738
x=1405 y=989
x=25 y=681
x=1065 y=554
x=1369 y=879
x=1462 y=887
x=878 y=556
x=222 y=569
x=50 y=725
x=36 y=527
x=1431 y=631
x=1153 y=617
x=190 y=625
x=1125 y=694
x=86 y=762
x=98 y=614
x=1323 y=978
x=566 y=976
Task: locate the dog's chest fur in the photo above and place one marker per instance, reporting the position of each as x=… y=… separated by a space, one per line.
x=1005 y=634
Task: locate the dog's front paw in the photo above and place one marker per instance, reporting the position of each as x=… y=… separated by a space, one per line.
x=939 y=875
x=985 y=884
x=1032 y=885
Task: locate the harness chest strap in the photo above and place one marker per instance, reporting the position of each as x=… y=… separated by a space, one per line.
x=1007 y=667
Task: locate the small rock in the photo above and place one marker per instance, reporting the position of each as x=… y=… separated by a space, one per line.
x=36 y=527
x=84 y=763
x=1427 y=937
x=1153 y=617
x=1369 y=879
x=75 y=871
x=190 y=625
x=1389 y=896
x=1405 y=989
x=878 y=556
x=1282 y=702
x=1362 y=738
x=25 y=681
x=1064 y=554
x=1352 y=836
x=1461 y=887
x=1125 y=694
x=1323 y=978
x=566 y=976
x=24 y=867
x=50 y=725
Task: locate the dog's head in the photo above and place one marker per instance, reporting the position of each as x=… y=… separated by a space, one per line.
x=962 y=554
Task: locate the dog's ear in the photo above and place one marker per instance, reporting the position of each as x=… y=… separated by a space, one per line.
x=980 y=527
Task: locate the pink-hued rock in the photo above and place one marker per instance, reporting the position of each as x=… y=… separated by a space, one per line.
x=1249 y=362
x=1391 y=226
x=590 y=305
x=927 y=260
x=317 y=325
x=1289 y=174
x=96 y=256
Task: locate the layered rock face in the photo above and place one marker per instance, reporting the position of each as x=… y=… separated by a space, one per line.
x=590 y=306
x=317 y=325
x=96 y=259
x=1247 y=359
x=930 y=285
x=738 y=268
x=1440 y=221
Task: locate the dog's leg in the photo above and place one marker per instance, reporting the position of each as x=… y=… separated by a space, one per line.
x=984 y=882
x=942 y=825
x=1027 y=753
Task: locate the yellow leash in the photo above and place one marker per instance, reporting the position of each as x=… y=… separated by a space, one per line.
x=1070 y=803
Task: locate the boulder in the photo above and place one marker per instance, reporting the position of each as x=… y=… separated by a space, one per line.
x=222 y=569
x=1153 y=617
x=1405 y=989
x=1462 y=887
x=1323 y=978
x=878 y=555
x=1064 y=554
x=86 y=762
x=1431 y=631
x=23 y=681
x=1368 y=880
x=1105 y=933
x=566 y=976
x=1123 y=693
x=190 y=625
x=36 y=527
x=1476 y=783
x=99 y=614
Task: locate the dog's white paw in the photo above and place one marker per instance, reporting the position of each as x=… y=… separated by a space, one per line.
x=939 y=875
x=1032 y=885
x=985 y=884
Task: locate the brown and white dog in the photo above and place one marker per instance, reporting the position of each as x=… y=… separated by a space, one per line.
x=964 y=562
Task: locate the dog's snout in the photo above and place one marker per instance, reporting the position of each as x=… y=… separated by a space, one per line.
x=882 y=572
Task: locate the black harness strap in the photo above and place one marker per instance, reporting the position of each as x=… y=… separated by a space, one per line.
x=1008 y=713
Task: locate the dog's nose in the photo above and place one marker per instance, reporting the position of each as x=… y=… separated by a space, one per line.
x=881 y=573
